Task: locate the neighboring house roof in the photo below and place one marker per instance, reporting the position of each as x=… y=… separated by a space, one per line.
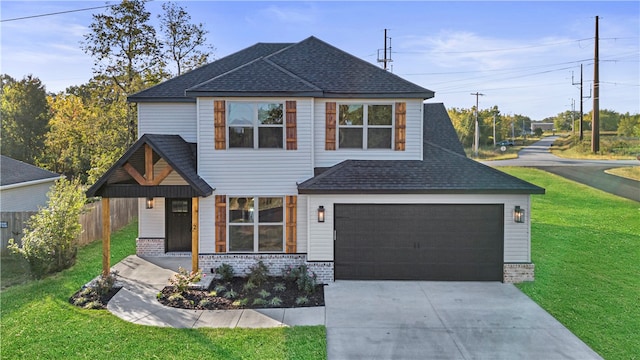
x=444 y=170
x=178 y=153
x=307 y=68
x=15 y=173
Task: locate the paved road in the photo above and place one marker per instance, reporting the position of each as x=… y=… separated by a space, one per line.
x=588 y=172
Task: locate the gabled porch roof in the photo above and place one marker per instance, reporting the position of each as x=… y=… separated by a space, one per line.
x=130 y=175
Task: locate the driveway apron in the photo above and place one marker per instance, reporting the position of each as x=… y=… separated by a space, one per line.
x=442 y=320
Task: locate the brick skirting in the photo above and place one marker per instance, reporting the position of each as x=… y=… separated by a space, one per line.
x=518 y=272
x=150 y=247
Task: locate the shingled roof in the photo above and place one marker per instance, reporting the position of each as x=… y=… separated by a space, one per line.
x=444 y=170
x=307 y=68
x=15 y=172
x=178 y=153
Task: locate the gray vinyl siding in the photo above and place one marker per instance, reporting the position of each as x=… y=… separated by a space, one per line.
x=517 y=237
x=257 y=172
x=25 y=198
x=168 y=118
x=151 y=221
x=413 y=151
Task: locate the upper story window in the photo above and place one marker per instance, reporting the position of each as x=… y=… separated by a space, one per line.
x=255 y=125
x=365 y=126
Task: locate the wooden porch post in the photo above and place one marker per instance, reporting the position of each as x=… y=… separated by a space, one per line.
x=195 y=232
x=106 y=237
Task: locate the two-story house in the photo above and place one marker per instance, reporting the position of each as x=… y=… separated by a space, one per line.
x=299 y=153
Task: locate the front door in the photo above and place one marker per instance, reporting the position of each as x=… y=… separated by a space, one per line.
x=178 y=224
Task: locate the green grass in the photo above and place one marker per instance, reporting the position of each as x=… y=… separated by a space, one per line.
x=612 y=147
x=586 y=247
x=629 y=172
x=13 y=270
x=38 y=322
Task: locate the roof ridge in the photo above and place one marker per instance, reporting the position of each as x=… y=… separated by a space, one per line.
x=224 y=74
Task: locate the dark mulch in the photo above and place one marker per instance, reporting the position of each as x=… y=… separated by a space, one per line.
x=89 y=298
x=234 y=295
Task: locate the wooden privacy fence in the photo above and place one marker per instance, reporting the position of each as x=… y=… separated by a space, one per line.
x=122 y=212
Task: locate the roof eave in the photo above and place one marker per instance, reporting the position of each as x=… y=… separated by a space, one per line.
x=195 y=93
x=144 y=99
x=422 y=191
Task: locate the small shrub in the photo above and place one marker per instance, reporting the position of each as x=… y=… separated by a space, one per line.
x=248 y=286
x=241 y=302
x=93 y=305
x=204 y=303
x=264 y=294
x=79 y=301
x=305 y=279
x=105 y=284
x=220 y=289
x=183 y=279
x=276 y=301
x=258 y=273
x=225 y=271
x=159 y=295
x=213 y=293
x=302 y=300
x=230 y=294
x=259 y=301
x=279 y=287
x=176 y=297
x=85 y=291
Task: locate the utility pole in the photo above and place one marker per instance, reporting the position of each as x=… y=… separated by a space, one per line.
x=582 y=97
x=476 y=137
x=494 y=129
x=386 y=57
x=595 y=125
x=573 y=110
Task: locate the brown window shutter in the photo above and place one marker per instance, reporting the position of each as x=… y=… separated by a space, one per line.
x=291 y=225
x=330 y=134
x=221 y=224
x=401 y=126
x=219 y=123
x=292 y=131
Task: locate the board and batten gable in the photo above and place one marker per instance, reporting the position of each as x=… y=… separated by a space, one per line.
x=168 y=118
x=517 y=236
x=414 y=124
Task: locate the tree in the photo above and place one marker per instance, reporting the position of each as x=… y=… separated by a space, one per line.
x=126 y=52
x=49 y=243
x=183 y=43
x=629 y=125
x=25 y=115
x=68 y=142
x=463 y=123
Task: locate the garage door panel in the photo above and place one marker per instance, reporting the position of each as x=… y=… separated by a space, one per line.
x=419 y=241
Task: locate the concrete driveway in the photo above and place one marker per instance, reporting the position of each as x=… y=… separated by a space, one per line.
x=442 y=320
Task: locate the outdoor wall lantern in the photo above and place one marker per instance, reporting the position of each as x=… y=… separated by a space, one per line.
x=321 y=214
x=149 y=203
x=518 y=214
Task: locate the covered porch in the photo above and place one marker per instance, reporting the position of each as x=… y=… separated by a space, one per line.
x=157 y=167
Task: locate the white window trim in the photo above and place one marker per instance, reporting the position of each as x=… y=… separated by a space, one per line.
x=256 y=224
x=365 y=126
x=256 y=124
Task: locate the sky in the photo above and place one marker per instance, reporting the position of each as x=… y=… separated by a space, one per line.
x=523 y=56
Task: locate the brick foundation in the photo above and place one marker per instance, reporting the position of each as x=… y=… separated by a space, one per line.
x=274 y=262
x=518 y=272
x=150 y=247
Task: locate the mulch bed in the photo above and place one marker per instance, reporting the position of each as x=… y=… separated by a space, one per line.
x=89 y=298
x=276 y=292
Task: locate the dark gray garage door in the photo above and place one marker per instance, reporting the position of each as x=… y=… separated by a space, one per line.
x=419 y=242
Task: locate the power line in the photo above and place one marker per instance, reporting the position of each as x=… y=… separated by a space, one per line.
x=494 y=50
x=55 y=13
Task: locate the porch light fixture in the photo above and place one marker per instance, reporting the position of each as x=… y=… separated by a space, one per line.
x=518 y=214
x=321 y=214
x=149 y=203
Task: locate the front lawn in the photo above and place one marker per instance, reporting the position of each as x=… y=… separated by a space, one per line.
x=37 y=321
x=586 y=247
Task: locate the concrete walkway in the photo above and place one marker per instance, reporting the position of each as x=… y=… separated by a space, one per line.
x=142 y=279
